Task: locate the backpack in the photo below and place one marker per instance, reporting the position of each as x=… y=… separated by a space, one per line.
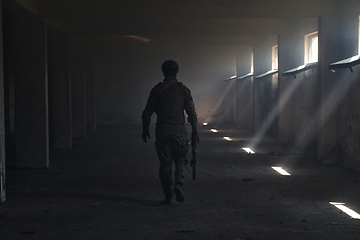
x=170 y=100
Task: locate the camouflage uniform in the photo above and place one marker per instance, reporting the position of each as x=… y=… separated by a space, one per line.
x=168 y=100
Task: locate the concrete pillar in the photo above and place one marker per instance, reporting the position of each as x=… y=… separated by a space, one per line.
x=59 y=90
x=31 y=93
x=265 y=88
x=2 y=118
x=90 y=94
x=244 y=96
x=78 y=91
x=328 y=42
x=9 y=88
x=262 y=53
x=291 y=55
x=229 y=102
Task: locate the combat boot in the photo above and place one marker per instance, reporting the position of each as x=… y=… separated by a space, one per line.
x=168 y=196
x=179 y=192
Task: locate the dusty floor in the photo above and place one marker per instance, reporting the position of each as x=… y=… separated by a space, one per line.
x=107 y=187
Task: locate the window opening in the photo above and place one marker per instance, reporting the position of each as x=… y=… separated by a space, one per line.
x=274 y=65
x=311 y=48
x=252 y=63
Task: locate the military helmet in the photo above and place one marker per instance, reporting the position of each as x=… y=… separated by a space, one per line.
x=170 y=66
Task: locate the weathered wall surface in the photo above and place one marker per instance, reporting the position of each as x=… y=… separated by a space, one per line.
x=9 y=87
x=31 y=93
x=349 y=118
x=2 y=121
x=266 y=100
x=125 y=77
x=291 y=55
x=305 y=110
x=338 y=40
x=228 y=104
x=245 y=104
x=59 y=85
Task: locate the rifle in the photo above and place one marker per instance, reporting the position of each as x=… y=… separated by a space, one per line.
x=193 y=161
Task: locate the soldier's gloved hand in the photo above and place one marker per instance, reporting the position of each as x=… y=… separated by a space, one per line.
x=145 y=135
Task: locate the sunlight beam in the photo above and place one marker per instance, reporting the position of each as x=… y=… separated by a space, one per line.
x=328 y=107
x=275 y=112
x=229 y=86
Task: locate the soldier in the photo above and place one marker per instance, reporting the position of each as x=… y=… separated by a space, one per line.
x=168 y=100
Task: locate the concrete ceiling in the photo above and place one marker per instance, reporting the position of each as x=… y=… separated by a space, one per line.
x=135 y=9
x=181 y=17
x=208 y=21
x=170 y=26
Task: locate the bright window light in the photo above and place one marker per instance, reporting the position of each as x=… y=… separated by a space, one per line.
x=274 y=65
x=281 y=171
x=252 y=63
x=311 y=48
x=354 y=58
x=213 y=130
x=227 y=138
x=248 y=150
x=346 y=210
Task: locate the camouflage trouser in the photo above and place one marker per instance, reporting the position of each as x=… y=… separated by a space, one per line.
x=171 y=147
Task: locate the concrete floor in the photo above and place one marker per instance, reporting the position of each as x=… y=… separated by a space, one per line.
x=107 y=187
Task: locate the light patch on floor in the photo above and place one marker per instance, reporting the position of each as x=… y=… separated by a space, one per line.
x=281 y=171
x=346 y=210
x=248 y=150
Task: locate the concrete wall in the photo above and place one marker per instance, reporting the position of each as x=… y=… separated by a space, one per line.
x=338 y=39
x=229 y=103
x=339 y=135
x=348 y=119
x=78 y=91
x=245 y=104
x=2 y=118
x=31 y=93
x=348 y=111
x=60 y=130
x=124 y=78
x=266 y=105
x=305 y=110
x=9 y=87
x=291 y=55
x=90 y=93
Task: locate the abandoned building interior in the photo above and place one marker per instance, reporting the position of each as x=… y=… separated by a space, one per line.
x=273 y=82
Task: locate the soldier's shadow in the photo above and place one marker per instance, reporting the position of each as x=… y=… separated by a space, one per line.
x=98 y=197
x=119 y=198
x=147 y=203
